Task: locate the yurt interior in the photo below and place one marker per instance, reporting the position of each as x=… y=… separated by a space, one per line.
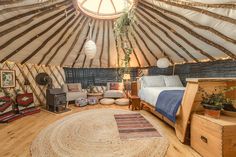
x=117 y=78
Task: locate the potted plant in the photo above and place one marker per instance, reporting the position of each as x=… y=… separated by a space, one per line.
x=213 y=103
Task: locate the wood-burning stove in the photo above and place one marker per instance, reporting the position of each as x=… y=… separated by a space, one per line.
x=56 y=100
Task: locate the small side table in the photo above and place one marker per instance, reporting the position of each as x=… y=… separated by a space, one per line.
x=134 y=102
x=97 y=95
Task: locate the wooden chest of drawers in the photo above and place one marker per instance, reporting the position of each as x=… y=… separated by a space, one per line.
x=213 y=137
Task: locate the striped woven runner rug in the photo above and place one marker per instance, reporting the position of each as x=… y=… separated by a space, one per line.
x=133 y=126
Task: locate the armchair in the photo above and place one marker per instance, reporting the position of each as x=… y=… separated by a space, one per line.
x=74 y=91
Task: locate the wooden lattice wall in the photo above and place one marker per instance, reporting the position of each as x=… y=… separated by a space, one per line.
x=30 y=71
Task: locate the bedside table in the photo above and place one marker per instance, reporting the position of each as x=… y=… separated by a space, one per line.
x=134 y=102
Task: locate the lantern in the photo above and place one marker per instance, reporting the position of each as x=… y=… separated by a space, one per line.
x=90 y=49
x=163 y=63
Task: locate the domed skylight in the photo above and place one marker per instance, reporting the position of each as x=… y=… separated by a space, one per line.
x=104 y=9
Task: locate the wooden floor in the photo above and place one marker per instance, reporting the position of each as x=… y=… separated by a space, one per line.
x=16 y=137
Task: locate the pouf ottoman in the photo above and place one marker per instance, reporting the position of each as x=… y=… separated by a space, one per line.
x=81 y=102
x=107 y=101
x=122 y=101
x=92 y=100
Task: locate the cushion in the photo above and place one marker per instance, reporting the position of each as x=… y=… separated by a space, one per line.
x=92 y=100
x=81 y=102
x=115 y=86
x=173 y=81
x=70 y=96
x=74 y=87
x=122 y=101
x=92 y=89
x=153 y=81
x=101 y=89
x=107 y=101
x=114 y=94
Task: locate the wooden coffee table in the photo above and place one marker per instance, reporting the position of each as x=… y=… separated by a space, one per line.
x=97 y=95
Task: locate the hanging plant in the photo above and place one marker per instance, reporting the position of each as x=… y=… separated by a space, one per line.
x=122 y=27
x=126 y=60
x=124 y=22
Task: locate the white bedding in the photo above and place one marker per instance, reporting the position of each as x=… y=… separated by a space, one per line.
x=150 y=94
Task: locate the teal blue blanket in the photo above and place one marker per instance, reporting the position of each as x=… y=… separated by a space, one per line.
x=168 y=103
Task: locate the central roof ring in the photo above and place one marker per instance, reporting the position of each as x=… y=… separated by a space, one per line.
x=104 y=9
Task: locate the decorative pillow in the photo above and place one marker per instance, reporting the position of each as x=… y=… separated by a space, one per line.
x=95 y=90
x=153 y=81
x=100 y=89
x=74 y=87
x=173 y=81
x=25 y=100
x=5 y=104
x=114 y=86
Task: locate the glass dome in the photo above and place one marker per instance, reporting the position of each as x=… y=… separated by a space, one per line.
x=104 y=9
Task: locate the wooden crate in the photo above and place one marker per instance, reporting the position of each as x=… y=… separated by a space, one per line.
x=213 y=137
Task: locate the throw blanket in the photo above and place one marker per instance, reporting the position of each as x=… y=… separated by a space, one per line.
x=168 y=103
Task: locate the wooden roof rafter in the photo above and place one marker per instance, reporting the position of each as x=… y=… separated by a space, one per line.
x=108 y=44
x=116 y=44
x=77 y=20
x=103 y=40
x=167 y=35
x=31 y=28
x=31 y=19
x=96 y=41
x=132 y=46
x=144 y=42
x=195 y=24
x=28 y=13
x=99 y=6
x=72 y=47
x=8 y=2
x=47 y=40
x=166 y=44
x=207 y=5
x=35 y=37
x=201 y=11
x=23 y=7
x=113 y=6
x=192 y=32
x=87 y=37
x=140 y=48
x=176 y=33
x=82 y=45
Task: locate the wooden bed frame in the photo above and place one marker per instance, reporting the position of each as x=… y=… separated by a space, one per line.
x=152 y=109
x=191 y=102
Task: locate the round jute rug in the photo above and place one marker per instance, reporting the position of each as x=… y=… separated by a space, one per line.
x=94 y=133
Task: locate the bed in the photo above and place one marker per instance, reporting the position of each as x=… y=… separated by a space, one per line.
x=153 y=91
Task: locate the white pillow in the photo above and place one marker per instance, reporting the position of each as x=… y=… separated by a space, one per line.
x=153 y=81
x=173 y=81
